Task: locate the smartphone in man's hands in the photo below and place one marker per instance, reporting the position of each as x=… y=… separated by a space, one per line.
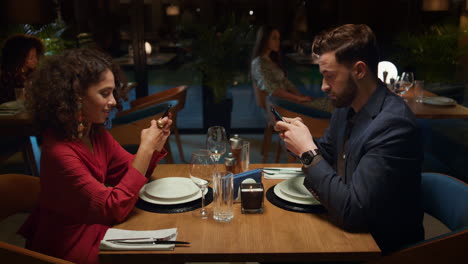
x=277 y=115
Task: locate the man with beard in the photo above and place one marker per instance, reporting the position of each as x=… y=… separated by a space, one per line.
x=366 y=168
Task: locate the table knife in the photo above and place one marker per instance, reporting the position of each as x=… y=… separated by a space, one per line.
x=154 y=242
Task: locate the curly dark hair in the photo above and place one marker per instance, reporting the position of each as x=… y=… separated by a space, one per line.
x=60 y=81
x=14 y=54
x=15 y=51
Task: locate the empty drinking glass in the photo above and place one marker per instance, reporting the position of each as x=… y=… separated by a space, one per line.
x=201 y=173
x=216 y=142
x=405 y=82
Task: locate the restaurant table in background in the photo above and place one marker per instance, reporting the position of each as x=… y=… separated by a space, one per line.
x=276 y=235
x=301 y=58
x=426 y=111
x=153 y=60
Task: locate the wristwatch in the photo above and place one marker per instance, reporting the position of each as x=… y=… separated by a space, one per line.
x=308 y=156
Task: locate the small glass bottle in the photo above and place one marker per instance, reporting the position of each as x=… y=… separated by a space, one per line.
x=236 y=148
x=230 y=162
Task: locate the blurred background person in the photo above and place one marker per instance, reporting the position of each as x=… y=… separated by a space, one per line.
x=20 y=55
x=267 y=71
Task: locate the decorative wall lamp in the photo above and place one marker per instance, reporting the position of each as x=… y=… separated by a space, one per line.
x=172 y=10
x=435 y=5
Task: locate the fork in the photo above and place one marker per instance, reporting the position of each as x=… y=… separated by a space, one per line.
x=166 y=238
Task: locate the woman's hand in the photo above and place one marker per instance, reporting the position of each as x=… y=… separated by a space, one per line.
x=153 y=137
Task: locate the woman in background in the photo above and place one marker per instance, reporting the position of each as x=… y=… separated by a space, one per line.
x=269 y=75
x=20 y=54
x=88 y=181
x=266 y=68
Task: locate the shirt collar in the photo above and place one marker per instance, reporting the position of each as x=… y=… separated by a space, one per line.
x=374 y=104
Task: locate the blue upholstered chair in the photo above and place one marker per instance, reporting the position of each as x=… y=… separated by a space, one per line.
x=316 y=120
x=126 y=127
x=445 y=198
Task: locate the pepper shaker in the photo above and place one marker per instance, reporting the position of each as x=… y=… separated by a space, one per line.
x=230 y=162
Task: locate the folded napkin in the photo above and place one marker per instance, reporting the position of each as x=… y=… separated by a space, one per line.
x=250 y=176
x=114 y=233
x=282 y=173
x=11 y=108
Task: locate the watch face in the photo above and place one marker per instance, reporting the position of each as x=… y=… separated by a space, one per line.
x=306 y=158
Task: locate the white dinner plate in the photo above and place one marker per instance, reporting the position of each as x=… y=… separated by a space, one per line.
x=11 y=105
x=295 y=187
x=439 y=100
x=171 y=188
x=154 y=200
x=284 y=196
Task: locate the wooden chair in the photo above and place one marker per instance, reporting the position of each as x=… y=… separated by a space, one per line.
x=127 y=126
x=260 y=99
x=178 y=93
x=19 y=193
x=445 y=198
x=317 y=121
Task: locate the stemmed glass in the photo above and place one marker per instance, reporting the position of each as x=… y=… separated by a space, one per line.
x=201 y=173
x=216 y=142
x=405 y=82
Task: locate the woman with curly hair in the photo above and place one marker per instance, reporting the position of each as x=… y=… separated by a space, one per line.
x=88 y=181
x=20 y=54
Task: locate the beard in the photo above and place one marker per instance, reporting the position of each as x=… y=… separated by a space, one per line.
x=349 y=93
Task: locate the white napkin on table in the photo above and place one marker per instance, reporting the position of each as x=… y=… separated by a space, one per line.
x=282 y=173
x=114 y=233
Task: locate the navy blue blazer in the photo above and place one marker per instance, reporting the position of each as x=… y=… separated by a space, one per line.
x=380 y=192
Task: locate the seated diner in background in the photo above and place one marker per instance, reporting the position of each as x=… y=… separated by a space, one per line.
x=366 y=169
x=20 y=54
x=269 y=75
x=88 y=181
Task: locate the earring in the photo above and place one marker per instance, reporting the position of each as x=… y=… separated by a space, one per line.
x=81 y=126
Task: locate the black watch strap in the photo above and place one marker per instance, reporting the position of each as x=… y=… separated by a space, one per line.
x=308 y=156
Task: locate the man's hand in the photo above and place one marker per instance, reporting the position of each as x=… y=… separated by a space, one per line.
x=296 y=135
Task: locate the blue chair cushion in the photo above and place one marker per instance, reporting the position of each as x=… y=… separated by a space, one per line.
x=446 y=199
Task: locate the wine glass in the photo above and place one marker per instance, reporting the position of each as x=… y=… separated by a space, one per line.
x=201 y=173
x=216 y=142
x=405 y=82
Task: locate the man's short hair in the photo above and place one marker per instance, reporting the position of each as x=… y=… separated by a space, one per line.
x=351 y=43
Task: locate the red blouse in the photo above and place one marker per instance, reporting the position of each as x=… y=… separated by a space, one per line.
x=82 y=195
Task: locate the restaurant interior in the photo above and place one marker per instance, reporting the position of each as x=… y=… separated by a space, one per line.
x=165 y=46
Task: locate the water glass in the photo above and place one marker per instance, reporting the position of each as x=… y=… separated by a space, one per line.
x=405 y=82
x=201 y=173
x=223 y=196
x=216 y=142
x=419 y=91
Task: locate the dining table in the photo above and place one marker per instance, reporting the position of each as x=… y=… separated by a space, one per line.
x=428 y=111
x=276 y=235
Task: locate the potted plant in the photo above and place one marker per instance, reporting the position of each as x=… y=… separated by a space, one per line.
x=222 y=57
x=435 y=54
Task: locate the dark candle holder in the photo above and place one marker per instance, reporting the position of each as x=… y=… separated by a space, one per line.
x=252 y=198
